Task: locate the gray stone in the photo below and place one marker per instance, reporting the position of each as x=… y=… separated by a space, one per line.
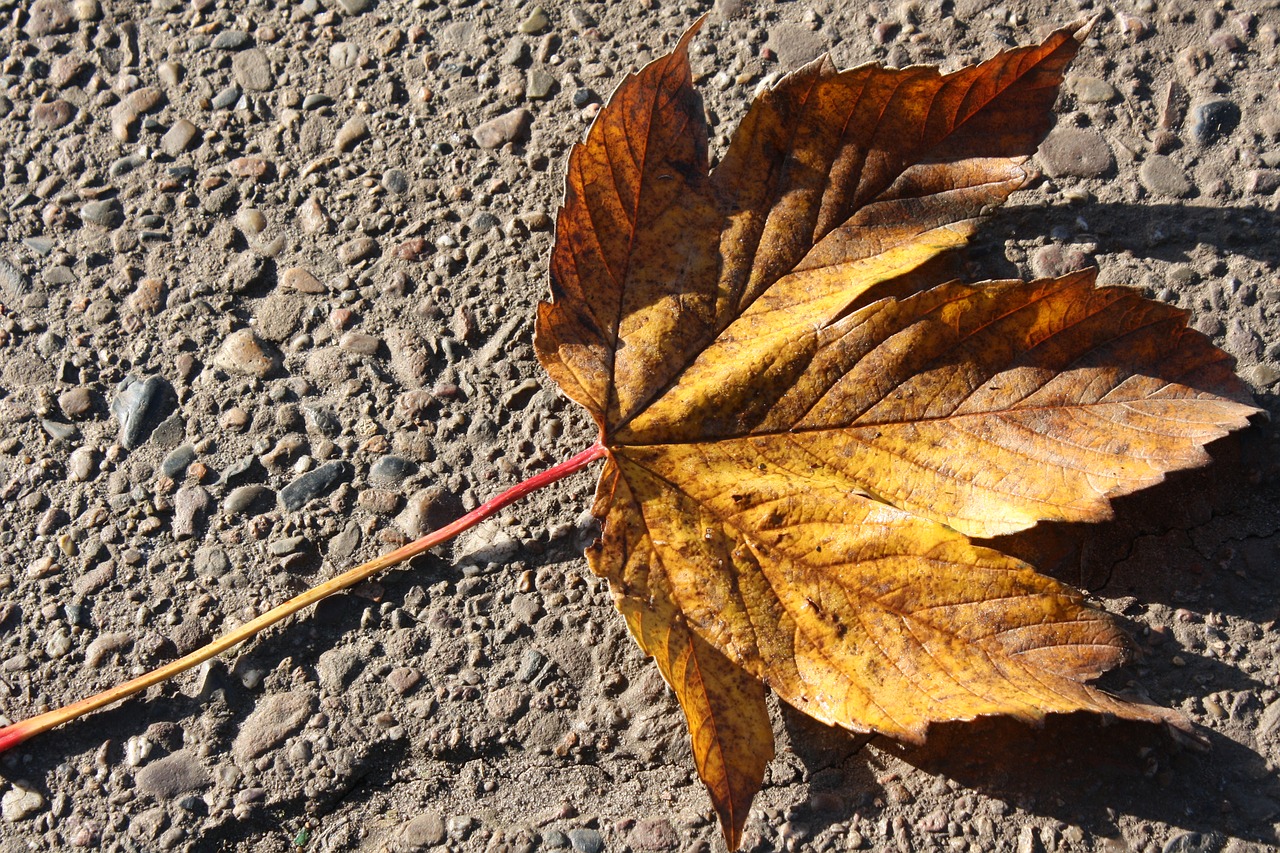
x=232 y=40
x=1163 y=176
x=105 y=213
x=1213 y=120
x=312 y=484
x=539 y=85
x=508 y=127
x=395 y=180
x=1262 y=181
x=172 y=775
x=354 y=7
x=1092 y=90
x=796 y=44
x=253 y=498
x=337 y=668
x=212 y=562
x=276 y=718
x=189 y=507
x=584 y=840
x=653 y=834
x=176 y=463
x=389 y=470
x=252 y=70
x=226 y=98
x=140 y=407
x=1072 y=152
x=1193 y=842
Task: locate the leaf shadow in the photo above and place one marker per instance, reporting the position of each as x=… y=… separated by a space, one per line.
x=1164 y=232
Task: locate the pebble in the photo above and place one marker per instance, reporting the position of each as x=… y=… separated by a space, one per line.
x=175 y=464
x=584 y=840
x=654 y=834
x=1073 y=152
x=354 y=7
x=343 y=55
x=1192 y=842
x=231 y=40
x=172 y=775
x=287 y=546
x=301 y=280
x=337 y=668
x=212 y=562
x=105 y=213
x=1163 y=176
x=535 y=22
x=252 y=70
x=47 y=17
x=226 y=98
x=403 y=679
x=189 y=506
x=1055 y=260
x=244 y=353
x=245 y=498
x=1262 y=181
x=354 y=130
x=354 y=251
x=179 y=137
x=312 y=484
x=106 y=645
x=140 y=406
x=1092 y=90
x=421 y=832
x=512 y=126
x=313 y=217
x=539 y=85
x=147 y=297
x=425 y=511
x=395 y=181
x=82 y=464
x=391 y=470
x=1213 y=120
x=54 y=114
x=21 y=801
x=275 y=719
x=76 y=403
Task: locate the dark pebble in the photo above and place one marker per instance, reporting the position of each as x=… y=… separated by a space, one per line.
x=322 y=421
x=312 y=484
x=1213 y=120
x=582 y=97
x=59 y=431
x=175 y=464
x=389 y=470
x=586 y=840
x=140 y=407
x=105 y=213
x=226 y=99
x=316 y=101
x=395 y=181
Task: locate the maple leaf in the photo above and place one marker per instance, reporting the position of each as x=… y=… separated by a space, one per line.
x=802 y=434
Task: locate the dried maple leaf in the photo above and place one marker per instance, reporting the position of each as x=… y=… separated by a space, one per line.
x=801 y=438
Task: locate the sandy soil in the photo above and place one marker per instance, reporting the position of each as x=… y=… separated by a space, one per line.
x=324 y=228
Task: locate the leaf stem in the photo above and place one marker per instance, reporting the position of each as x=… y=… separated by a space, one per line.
x=16 y=733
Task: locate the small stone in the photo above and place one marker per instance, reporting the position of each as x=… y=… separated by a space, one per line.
x=413 y=249
x=226 y=98
x=54 y=114
x=275 y=719
x=104 y=646
x=21 y=801
x=179 y=137
x=313 y=217
x=252 y=70
x=189 y=506
x=76 y=403
x=425 y=511
x=1262 y=375
x=66 y=69
x=1192 y=842
x=390 y=470
x=1092 y=90
x=105 y=213
x=175 y=464
x=508 y=127
x=231 y=40
x=423 y=831
x=354 y=7
x=1072 y=152
x=354 y=130
x=354 y=251
x=244 y=499
x=1263 y=181
x=1054 y=260
x=343 y=55
x=172 y=775
x=585 y=840
x=147 y=297
x=395 y=181
x=312 y=484
x=301 y=280
x=244 y=353
x=140 y=407
x=653 y=834
x=212 y=562
x=536 y=22
x=46 y=17
x=934 y=821
x=507 y=704
x=255 y=168
x=1213 y=120
x=1163 y=176
x=539 y=85
x=403 y=679
x=82 y=465
x=288 y=545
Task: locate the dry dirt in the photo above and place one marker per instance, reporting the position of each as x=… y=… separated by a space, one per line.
x=329 y=176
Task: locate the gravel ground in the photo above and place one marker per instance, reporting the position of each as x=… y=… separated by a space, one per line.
x=268 y=273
